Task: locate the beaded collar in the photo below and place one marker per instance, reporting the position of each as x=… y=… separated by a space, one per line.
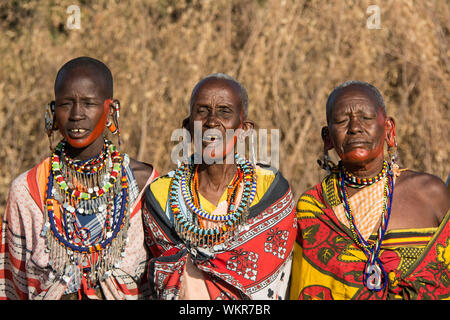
x=89 y=187
x=186 y=221
x=356 y=182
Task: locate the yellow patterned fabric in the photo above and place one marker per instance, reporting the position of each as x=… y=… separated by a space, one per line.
x=328 y=264
x=264 y=178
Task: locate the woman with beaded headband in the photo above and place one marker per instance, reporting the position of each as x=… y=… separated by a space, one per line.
x=218 y=226
x=72 y=227
x=370 y=230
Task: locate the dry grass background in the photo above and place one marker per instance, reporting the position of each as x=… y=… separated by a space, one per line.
x=288 y=54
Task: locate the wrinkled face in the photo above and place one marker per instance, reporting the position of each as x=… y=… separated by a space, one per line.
x=80 y=109
x=357 y=127
x=217 y=106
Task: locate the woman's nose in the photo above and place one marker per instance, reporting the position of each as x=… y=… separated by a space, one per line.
x=77 y=111
x=211 y=120
x=354 y=125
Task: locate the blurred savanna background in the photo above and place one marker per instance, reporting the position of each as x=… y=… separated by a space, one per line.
x=288 y=54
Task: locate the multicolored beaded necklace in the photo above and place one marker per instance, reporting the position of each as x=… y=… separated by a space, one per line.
x=86 y=188
x=357 y=182
x=372 y=275
x=85 y=174
x=184 y=187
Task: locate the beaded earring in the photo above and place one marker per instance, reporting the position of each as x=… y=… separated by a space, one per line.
x=325 y=162
x=115 y=130
x=393 y=156
x=50 y=124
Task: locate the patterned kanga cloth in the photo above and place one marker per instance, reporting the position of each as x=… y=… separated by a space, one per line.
x=25 y=272
x=255 y=265
x=327 y=263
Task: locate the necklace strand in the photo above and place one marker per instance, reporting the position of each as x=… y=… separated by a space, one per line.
x=185 y=223
x=371 y=274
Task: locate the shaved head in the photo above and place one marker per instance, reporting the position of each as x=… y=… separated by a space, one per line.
x=87 y=65
x=370 y=91
x=233 y=83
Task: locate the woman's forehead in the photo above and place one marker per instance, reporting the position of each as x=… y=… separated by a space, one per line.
x=81 y=79
x=355 y=98
x=220 y=89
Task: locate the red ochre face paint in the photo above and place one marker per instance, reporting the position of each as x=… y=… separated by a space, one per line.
x=95 y=133
x=229 y=146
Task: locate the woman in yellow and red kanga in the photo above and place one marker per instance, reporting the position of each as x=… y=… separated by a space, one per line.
x=370 y=230
x=72 y=227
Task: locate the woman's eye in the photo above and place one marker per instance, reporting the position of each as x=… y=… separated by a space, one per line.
x=202 y=110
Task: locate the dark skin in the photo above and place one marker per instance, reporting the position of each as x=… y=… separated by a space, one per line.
x=357 y=130
x=217 y=104
x=79 y=106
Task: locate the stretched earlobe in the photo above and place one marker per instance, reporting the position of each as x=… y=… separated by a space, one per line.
x=248 y=125
x=185 y=123
x=50 y=122
x=390 y=132
x=325 y=162
x=327 y=143
x=114 y=112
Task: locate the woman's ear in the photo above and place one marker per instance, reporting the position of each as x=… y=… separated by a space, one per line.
x=327 y=143
x=389 y=126
x=248 y=125
x=185 y=124
x=114 y=110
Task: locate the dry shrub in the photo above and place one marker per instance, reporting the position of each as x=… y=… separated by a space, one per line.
x=288 y=54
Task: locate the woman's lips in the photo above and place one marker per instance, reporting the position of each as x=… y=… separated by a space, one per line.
x=209 y=139
x=77 y=133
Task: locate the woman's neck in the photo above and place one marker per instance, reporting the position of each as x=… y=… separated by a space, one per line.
x=215 y=177
x=88 y=152
x=365 y=170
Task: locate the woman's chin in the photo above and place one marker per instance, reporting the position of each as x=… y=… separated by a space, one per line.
x=356 y=156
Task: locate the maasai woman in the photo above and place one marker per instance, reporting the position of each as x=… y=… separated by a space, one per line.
x=72 y=227
x=370 y=230
x=221 y=227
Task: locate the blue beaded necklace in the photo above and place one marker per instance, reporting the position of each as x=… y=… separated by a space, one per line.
x=372 y=275
x=71 y=249
x=65 y=239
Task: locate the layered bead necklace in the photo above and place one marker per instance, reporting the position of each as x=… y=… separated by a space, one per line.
x=189 y=222
x=374 y=275
x=99 y=187
x=357 y=182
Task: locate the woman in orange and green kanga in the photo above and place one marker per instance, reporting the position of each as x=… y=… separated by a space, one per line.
x=73 y=227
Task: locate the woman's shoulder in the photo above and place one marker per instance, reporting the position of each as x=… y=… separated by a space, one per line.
x=141 y=171
x=426 y=188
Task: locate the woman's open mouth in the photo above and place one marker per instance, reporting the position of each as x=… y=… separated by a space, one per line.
x=77 y=133
x=212 y=138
